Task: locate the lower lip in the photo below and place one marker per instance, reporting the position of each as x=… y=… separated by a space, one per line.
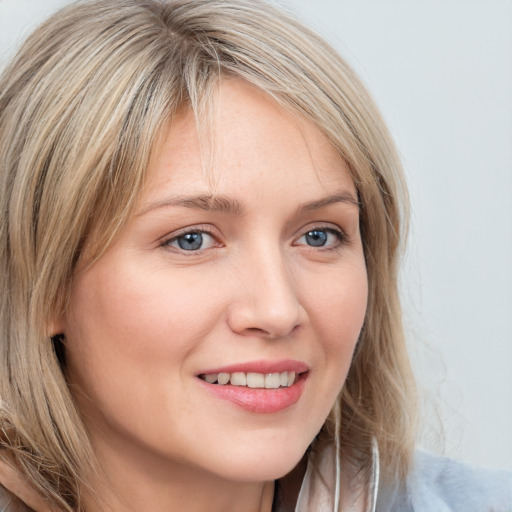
x=262 y=401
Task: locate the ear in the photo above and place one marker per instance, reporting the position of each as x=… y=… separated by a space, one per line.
x=56 y=326
x=56 y=333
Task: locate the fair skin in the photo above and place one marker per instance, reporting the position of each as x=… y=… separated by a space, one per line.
x=269 y=277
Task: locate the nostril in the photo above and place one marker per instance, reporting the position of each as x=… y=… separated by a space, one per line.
x=271 y=335
x=262 y=333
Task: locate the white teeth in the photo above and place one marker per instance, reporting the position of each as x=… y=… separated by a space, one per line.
x=272 y=380
x=251 y=379
x=238 y=379
x=255 y=380
x=223 y=378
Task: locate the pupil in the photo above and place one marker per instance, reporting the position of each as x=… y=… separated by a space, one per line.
x=190 y=241
x=316 y=238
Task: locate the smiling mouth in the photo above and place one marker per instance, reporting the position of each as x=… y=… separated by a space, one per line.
x=253 y=380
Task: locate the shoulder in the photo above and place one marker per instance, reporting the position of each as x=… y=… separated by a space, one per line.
x=440 y=484
x=459 y=487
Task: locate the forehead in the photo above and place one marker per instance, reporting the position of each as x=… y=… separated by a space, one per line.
x=248 y=139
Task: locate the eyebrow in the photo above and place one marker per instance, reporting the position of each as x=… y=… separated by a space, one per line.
x=228 y=205
x=210 y=203
x=341 y=197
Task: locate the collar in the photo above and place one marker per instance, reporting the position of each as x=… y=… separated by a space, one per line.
x=324 y=486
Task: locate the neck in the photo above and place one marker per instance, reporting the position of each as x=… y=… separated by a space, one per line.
x=134 y=482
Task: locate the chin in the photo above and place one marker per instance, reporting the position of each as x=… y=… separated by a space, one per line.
x=262 y=465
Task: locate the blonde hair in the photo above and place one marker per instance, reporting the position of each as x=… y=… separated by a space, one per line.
x=81 y=106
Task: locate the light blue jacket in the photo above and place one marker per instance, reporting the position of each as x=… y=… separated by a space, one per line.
x=436 y=484
x=439 y=484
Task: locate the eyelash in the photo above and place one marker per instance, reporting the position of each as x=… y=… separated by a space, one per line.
x=341 y=239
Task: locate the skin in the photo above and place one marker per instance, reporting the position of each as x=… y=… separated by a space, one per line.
x=148 y=316
x=13 y=480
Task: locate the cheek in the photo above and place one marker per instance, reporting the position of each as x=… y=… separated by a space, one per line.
x=122 y=326
x=129 y=341
x=337 y=312
x=340 y=306
x=135 y=308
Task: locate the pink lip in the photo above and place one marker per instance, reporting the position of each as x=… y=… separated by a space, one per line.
x=284 y=365
x=260 y=400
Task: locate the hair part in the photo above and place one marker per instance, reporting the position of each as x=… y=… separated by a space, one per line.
x=81 y=107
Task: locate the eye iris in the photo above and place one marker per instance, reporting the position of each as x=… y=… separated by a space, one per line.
x=316 y=238
x=190 y=241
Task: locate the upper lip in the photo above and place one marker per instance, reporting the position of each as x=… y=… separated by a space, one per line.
x=262 y=366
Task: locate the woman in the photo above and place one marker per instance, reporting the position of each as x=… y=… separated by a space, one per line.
x=199 y=252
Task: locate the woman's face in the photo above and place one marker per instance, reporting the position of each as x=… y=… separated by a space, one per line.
x=252 y=270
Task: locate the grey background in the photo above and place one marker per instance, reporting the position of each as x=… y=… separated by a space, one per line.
x=441 y=71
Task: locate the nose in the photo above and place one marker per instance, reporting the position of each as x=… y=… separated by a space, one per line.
x=265 y=302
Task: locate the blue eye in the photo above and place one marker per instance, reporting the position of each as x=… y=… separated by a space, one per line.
x=316 y=238
x=191 y=241
x=321 y=237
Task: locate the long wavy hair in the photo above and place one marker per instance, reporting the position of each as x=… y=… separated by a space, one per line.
x=81 y=106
